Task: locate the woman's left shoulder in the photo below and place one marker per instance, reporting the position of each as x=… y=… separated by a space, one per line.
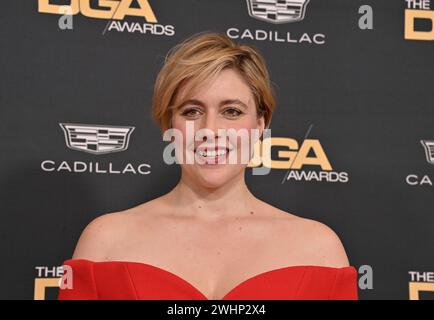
x=323 y=242
x=320 y=242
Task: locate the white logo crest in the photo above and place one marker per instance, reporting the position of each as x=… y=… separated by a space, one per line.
x=277 y=11
x=96 y=139
x=429 y=150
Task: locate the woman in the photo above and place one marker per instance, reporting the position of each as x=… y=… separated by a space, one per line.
x=209 y=237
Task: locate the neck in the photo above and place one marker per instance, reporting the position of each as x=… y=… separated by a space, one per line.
x=232 y=199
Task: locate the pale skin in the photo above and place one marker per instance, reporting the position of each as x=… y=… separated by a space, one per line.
x=210 y=229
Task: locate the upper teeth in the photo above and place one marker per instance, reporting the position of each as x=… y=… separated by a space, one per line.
x=212 y=153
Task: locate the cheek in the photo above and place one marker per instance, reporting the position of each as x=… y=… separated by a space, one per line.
x=180 y=143
x=178 y=123
x=244 y=140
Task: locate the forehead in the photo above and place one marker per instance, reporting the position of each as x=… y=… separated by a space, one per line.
x=228 y=84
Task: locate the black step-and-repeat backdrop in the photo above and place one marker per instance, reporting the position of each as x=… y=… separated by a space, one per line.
x=352 y=141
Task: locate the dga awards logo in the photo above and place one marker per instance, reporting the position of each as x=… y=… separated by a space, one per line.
x=307 y=161
x=423 y=179
x=421 y=284
x=114 y=10
x=98 y=140
x=419 y=20
x=276 y=12
x=47 y=277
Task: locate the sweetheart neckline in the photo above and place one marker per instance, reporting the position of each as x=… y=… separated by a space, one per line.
x=258 y=275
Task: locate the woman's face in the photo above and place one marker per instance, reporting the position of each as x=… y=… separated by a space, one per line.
x=224 y=103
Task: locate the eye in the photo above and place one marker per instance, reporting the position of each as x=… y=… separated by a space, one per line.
x=233 y=112
x=191 y=112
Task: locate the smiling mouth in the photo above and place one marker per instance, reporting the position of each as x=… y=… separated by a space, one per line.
x=212 y=155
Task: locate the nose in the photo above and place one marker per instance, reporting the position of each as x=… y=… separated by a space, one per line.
x=211 y=122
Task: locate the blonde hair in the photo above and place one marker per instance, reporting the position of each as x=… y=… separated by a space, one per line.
x=201 y=57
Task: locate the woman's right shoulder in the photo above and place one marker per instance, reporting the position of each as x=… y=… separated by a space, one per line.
x=96 y=239
x=103 y=232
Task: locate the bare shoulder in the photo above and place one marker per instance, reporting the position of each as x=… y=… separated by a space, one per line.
x=106 y=232
x=97 y=237
x=320 y=243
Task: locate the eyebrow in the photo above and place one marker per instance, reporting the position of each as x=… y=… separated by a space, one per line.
x=202 y=104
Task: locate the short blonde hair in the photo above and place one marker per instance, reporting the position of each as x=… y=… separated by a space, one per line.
x=200 y=58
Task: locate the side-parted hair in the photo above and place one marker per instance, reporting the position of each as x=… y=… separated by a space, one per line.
x=200 y=58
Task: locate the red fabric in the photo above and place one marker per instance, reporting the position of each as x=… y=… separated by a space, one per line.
x=111 y=280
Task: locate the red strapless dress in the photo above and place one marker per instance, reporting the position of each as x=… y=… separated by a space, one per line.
x=111 y=280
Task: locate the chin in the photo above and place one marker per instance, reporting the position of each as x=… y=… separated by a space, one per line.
x=216 y=177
